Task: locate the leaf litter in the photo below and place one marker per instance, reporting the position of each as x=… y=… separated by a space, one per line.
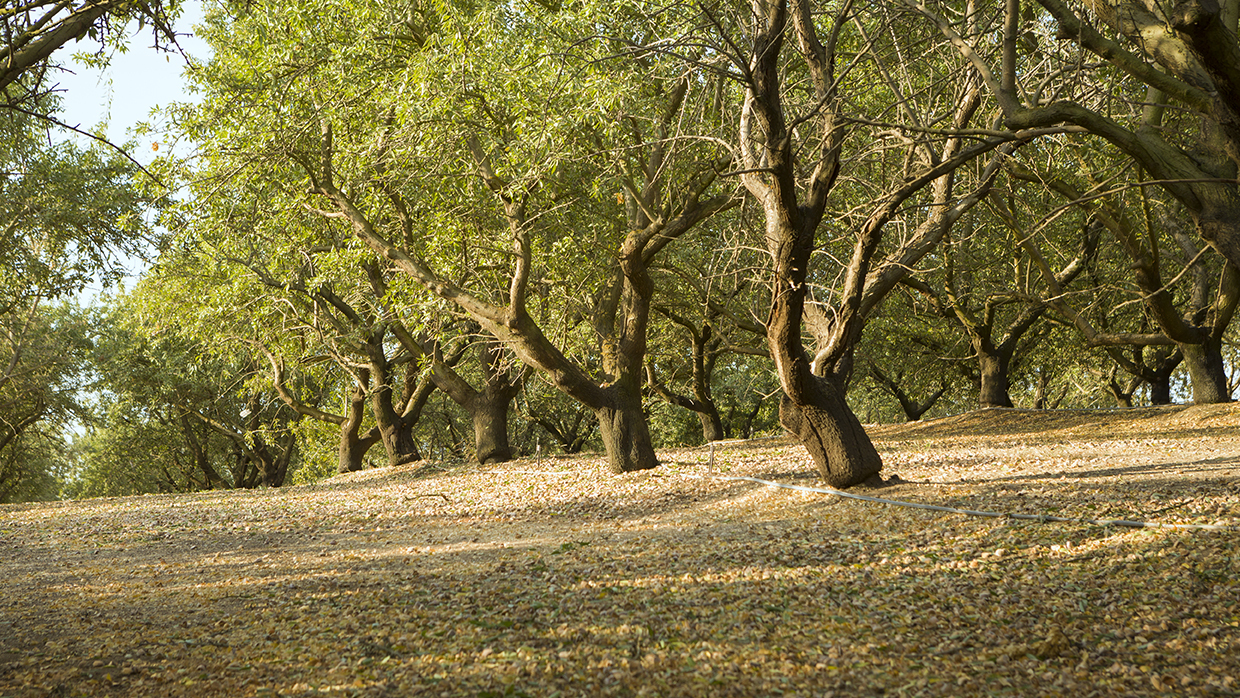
x=552 y=577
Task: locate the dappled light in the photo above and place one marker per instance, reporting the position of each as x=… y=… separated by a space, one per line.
x=440 y=300
x=549 y=575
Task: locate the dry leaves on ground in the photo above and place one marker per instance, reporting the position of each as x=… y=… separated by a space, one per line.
x=552 y=577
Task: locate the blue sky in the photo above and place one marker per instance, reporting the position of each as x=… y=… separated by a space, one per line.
x=136 y=82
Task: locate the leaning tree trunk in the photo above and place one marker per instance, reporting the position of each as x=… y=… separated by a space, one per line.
x=1205 y=368
x=353 y=450
x=813 y=407
x=833 y=435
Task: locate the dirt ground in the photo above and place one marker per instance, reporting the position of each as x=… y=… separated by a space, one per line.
x=553 y=577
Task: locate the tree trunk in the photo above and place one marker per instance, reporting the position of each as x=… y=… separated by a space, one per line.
x=353 y=450
x=712 y=425
x=487 y=408
x=1205 y=368
x=353 y=444
x=814 y=408
x=1160 y=392
x=489 y=412
x=625 y=433
x=994 y=390
x=1122 y=399
x=703 y=405
x=913 y=410
x=397 y=437
x=1158 y=370
x=569 y=435
x=273 y=467
x=833 y=435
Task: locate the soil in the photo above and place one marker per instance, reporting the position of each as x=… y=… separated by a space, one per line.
x=546 y=577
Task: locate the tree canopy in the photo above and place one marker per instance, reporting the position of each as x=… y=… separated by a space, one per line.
x=480 y=229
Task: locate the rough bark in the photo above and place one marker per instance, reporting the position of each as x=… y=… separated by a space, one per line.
x=488 y=407
x=813 y=408
x=832 y=434
x=712 y=426
x=489 y=414
x=1205 y=368
x=625 y=433
x=994 y=389
x=354 y=445
x=394 y=432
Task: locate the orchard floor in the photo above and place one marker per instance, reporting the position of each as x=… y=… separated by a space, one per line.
x=553 y=577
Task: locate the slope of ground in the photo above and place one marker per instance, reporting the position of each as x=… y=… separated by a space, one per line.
x=552 y=577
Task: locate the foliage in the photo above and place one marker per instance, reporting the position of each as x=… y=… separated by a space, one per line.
x=177 y=417
x=35 y=30
x=44 y=355
x=523 y=155
x=69 y=215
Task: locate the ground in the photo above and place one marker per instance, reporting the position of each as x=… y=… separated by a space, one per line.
x=553 y=577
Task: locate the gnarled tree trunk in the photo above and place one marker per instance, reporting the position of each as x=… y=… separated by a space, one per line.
x=487 y=408
x=626 y=436
x=1205 y=368
x=354 y=445
x=397 y=436
x=833 y=436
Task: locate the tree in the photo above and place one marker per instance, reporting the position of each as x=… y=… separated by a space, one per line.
x=1195 y=328
x=706 y=347
x=793 y=131
x=488 y=406
x=1155 y=62
x=177 y=416
x=65 y=214
x=43 y=360
x=524 y=141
